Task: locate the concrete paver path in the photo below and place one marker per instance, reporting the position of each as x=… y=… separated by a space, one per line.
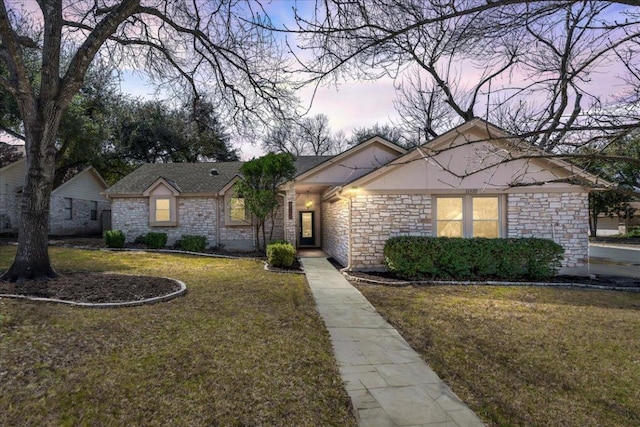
x=389 y=384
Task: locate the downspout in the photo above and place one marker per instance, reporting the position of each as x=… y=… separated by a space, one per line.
x=350 y=234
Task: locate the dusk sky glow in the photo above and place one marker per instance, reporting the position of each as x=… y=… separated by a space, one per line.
x=353 y=104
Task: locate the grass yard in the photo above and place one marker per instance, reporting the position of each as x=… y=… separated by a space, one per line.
x=244 y=347
x=526 y=356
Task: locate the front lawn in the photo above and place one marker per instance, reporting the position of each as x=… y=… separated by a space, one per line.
x=526 y=356
x=244 y=347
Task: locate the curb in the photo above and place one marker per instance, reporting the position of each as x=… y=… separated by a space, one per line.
x=490 y=283
x=154 y=300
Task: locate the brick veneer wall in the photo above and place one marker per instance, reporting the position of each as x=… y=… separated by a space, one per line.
x=196 y=215
x=80 y=222
x=234 y=236
x=9 y=210
x=563 y=217
x=335 y=230
x=375 y=218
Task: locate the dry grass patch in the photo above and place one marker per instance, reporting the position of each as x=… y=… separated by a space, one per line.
x=243 y=347
x=526 y=356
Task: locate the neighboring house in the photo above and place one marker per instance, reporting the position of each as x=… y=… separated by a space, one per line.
x=619 y=225
x=467 y=182
x=77 y=205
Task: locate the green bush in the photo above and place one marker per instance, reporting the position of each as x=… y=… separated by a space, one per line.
x=113 y=238
x=634 y=232
x=193 y=243
x=281 y=255
x=155 y=240
x=412 y=257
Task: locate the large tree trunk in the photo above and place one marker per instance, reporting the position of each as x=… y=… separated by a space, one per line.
x=32 y=257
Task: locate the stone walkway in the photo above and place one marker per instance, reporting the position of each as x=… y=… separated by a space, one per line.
x=387 y=381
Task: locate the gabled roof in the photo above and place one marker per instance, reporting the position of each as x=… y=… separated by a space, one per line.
x=192 y=178
x=441 y=142
x=10 y=153
x=162 y=181
x=330 y=160
x=8 y=164
x=87 y=171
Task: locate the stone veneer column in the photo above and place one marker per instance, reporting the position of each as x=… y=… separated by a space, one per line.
x=290 y=233
x=335 y=230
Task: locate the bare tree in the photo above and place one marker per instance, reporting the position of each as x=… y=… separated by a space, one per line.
x=305 y=136
x=219 y=46
x=529 y=66
x=388 y=132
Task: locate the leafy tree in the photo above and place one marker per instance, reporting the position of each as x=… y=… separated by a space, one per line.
x=611 y=203
x=261 y=178
x=180 y=43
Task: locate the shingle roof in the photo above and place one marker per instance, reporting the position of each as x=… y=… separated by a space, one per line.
x=193 y=177
x=305 y=163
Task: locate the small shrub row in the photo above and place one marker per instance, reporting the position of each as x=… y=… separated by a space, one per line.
x=155 y=240
x=113 y=238
x=192 y=243
x=281 y=254
x=412 y=257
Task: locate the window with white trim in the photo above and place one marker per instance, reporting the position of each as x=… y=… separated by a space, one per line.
x=468 y=216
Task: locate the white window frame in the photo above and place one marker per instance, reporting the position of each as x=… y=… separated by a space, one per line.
x=467 y=212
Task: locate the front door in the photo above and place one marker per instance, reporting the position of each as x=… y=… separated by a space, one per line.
x=307 y=226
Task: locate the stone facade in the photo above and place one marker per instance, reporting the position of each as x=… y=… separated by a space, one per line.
x=376 y=218
x=234 y=237
x=562 y=217
x=196 y=216
x=335 y=230
x=290 y=231
x=80 y=222
x=9 y=211
x=202 y=216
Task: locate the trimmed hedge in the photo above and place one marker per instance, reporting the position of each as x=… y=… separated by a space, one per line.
x=155 y=240
x=193 y=243
x=413 y=257
x=113 y=238
x=281 y=255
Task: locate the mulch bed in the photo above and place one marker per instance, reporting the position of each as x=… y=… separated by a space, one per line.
x=93 y=287
x=391 y=279
x=605 y=281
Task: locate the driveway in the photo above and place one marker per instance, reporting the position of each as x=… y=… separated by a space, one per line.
x=614 y=260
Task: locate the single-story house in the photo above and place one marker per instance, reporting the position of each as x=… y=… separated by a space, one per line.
x=618 y=225
x=475 y=180
x=77 y=203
